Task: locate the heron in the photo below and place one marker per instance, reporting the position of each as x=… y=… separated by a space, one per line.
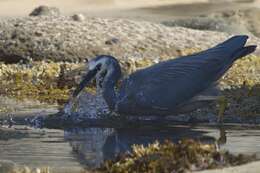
x=169 y=87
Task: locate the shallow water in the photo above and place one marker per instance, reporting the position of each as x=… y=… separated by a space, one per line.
x=78 y=148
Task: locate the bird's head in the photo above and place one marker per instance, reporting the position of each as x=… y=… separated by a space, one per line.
x=101 y=66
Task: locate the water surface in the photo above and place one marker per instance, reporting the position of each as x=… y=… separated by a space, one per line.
x=89 y=147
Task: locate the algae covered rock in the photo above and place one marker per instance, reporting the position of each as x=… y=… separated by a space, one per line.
x=62 y=38
x=45 y=11
x=185 y=156
x=44 y=81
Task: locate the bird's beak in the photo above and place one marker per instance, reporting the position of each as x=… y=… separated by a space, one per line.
x=84 y=82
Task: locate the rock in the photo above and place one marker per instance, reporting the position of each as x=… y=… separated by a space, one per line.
x=209 y=23
x=112 y=41
x=45 y=11
x=78 y=17
x=62 y=39
x=200 y=23
x=242 y=21
x=7 y=166
x=36 y=170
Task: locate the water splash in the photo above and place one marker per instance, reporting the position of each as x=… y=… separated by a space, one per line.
x=87 y=105
x=70 y=107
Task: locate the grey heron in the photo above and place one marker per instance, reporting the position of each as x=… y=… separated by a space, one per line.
x=170 y=87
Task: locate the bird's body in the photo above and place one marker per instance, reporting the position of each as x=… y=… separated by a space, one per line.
x=170 y=87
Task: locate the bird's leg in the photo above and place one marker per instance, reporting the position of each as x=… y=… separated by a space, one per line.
x=117 y=148
x=222 y=136
x=222 y=103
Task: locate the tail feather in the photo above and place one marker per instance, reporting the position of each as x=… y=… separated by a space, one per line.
x=235 y=42
x=244 y=51
x=238 y=54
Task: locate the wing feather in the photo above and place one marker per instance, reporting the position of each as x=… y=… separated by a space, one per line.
x=168 y=84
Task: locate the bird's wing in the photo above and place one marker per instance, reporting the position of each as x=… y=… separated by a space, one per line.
x=195 y=68
x=166 y=85
x=206 y=64
x=172 y=82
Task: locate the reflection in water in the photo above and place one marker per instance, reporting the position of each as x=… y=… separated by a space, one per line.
x=37 y=148
x=91 y=146
x=94 y=145
x=88 y=144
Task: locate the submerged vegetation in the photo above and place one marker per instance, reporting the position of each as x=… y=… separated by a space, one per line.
x=186 y=155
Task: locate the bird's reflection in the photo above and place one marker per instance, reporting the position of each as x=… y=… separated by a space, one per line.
x=94 y=145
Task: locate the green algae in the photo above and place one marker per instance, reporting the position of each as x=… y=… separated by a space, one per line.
x=186 y=155
x=23 y=89
x=53 y=82
x=39 y=81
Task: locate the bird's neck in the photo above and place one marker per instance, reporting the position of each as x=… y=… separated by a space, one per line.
x=109 y=84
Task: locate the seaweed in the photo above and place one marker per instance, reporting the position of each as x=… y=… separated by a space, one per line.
x=186 y=155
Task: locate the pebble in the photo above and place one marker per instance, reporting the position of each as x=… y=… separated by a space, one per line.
x=78 y=17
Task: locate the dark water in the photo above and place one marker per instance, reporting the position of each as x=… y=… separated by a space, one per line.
x=77 y=148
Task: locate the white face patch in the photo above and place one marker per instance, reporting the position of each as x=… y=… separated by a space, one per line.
x=92 y=65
